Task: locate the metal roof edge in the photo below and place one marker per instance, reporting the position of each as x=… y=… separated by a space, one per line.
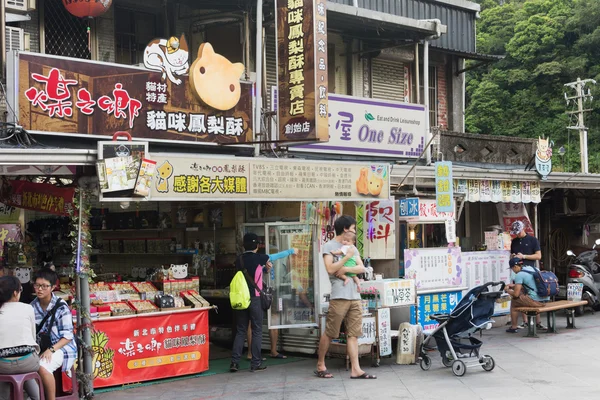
x=415 y=24
x=464 y=4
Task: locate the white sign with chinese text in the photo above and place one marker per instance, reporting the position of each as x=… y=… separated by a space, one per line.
x=450 y=230
x=373 y=127
x=395 y=291
x=434 y=267
x=486 y=266
x=368 y=331
x=380 y=230
x=384 y=331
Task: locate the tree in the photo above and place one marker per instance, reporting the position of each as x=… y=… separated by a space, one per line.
x=545 y=44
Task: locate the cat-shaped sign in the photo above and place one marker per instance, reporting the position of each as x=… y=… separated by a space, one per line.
x=169 y=56
x=215 y=80
x=543 y=157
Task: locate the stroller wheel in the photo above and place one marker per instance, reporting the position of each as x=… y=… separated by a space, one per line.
x=459 y=368
x=425 y=363
x=487 y=363
x=447 y=361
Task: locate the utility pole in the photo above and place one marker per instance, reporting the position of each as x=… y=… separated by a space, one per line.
x=581 y=97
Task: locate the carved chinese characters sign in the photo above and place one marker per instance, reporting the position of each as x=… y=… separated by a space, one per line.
x=302 y=70
x=66 y=96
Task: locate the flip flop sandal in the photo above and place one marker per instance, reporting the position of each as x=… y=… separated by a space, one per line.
x=323 y=374
x=279 y=356
x=364 y=376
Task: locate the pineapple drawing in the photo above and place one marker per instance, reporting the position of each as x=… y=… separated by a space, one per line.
x=103 y=356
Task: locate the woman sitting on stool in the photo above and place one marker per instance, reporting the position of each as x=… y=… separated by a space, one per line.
x=18 y=347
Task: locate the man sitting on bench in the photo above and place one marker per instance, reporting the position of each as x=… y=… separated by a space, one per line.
x=523 y=292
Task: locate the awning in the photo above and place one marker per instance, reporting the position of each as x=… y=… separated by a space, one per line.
x=47 y=156
x=425 y=177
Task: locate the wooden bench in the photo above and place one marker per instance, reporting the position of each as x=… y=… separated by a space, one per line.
x=550 y=308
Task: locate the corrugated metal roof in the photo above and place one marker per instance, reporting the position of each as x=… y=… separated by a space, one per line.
x=459 y=18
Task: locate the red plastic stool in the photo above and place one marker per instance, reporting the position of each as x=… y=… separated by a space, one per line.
x=18 y=383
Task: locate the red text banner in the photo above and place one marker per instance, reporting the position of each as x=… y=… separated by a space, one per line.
x=149 y=346
x=41 y=197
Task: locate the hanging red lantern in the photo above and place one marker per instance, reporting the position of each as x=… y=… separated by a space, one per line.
x=87 y=8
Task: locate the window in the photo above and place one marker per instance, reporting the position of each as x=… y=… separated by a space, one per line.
x=226 y=40
x=433 y=91
x=133 y=31
x=64 y=34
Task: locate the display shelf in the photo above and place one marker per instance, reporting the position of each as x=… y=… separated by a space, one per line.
x=142 y=254
x=182 y=228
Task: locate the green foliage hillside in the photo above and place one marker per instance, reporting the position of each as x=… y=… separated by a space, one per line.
x=546 y=43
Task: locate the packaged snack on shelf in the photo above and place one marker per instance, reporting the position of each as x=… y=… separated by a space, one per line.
x=98 y=287
x=167 y=286
x=144 y=287
x=189 y=299
x=125 y=289
x=179 y=303
x=199 y=298
x=108 y=296
x=120 y=308
x=143 y=306
x=104 y=311
x=195 y=283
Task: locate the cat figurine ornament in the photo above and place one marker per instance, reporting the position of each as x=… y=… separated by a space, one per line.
x=169 y=56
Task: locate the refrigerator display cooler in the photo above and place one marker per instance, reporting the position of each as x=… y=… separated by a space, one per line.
x=297 y=282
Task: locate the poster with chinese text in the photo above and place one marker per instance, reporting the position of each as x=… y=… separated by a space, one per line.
x=379 y=228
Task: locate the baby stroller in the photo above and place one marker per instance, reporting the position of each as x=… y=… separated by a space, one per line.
x=454 y=338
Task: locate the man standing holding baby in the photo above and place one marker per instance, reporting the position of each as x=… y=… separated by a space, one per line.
x=345 y=302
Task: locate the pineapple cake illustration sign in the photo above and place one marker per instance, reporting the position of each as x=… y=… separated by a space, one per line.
x=128 y=350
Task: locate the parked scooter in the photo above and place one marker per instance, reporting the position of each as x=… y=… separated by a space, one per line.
x=585 y=270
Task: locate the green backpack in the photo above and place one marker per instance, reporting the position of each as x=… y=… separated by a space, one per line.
x=239 y=294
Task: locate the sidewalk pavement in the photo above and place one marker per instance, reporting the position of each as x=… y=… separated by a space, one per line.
x=555 y=366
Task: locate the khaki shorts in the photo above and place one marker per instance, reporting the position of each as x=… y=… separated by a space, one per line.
x=349 y=311
x=524 y=301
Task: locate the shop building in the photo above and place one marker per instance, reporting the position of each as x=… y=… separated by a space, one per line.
x=405 y=65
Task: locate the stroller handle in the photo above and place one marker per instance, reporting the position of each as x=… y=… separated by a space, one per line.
x=501 y=284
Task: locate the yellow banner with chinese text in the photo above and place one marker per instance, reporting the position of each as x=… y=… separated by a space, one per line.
x=186 y=178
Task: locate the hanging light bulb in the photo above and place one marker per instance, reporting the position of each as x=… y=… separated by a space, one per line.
x=411 y=234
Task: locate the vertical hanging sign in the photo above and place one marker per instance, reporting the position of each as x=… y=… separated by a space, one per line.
x=444 y=189
x=302 y=70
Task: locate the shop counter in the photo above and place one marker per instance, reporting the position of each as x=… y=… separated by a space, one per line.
x=143 y=347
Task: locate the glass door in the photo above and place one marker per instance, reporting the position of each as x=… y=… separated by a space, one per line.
x=292 y=278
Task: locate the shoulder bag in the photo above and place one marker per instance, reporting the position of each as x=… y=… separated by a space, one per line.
x=44 y=339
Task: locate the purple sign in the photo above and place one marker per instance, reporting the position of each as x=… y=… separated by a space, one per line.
x=373 y=127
